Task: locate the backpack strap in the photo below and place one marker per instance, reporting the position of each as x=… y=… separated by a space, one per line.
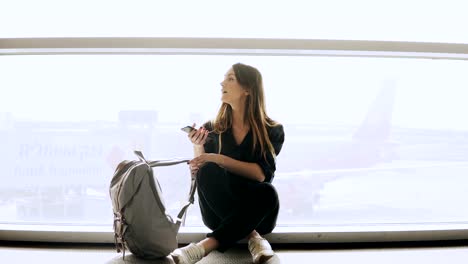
x=193 y=185
x=159 y=163
x=183 y=211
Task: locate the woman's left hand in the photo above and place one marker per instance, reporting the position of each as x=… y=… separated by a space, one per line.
x=203 y=158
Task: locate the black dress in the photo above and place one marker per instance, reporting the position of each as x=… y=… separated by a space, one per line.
x=231 y=205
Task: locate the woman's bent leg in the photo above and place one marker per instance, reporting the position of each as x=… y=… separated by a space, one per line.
x=213 y=194
x=257 y=208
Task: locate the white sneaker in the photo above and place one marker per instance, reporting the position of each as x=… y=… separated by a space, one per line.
x=260 y=249
x=189 y=254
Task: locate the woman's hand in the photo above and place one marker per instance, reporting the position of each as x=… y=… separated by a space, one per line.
x=199 y=161
x=193 y=169
x=198 y=136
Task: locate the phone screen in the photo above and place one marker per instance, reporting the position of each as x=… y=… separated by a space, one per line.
x=187 y=129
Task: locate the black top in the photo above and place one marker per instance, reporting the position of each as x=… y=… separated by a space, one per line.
x=243 y=152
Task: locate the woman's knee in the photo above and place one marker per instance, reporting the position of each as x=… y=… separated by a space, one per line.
x=208 y=173
x=266 y=193
x=268 y=190
x=210 y=221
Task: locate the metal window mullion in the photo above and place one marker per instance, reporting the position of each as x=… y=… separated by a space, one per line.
x=233 y=46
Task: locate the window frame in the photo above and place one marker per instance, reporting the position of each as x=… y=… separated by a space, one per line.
x=253 y=47
x=233 y=46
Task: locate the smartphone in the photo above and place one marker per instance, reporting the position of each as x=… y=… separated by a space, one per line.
x=187 y=129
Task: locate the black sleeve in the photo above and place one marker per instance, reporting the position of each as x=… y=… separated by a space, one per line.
x=268 y=163
x=210 y=144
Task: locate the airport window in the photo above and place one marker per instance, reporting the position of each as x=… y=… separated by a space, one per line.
x=368 y=140
x=371 y=96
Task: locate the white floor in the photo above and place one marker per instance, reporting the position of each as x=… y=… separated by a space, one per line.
x=106 y=254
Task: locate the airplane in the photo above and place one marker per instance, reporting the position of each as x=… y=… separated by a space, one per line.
x=305 y=167
x=369 y=145
x=311 y=157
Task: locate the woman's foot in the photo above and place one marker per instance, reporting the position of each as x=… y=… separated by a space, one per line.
x=189 y=254
x=260 y=249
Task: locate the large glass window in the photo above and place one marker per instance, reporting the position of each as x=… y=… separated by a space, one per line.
x=368 y=140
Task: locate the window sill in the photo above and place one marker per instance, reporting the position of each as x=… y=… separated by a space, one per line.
x=281 y=234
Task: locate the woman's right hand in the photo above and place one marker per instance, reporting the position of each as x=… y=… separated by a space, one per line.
x=198 y=136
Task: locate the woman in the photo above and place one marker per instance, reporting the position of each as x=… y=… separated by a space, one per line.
x=235 y=164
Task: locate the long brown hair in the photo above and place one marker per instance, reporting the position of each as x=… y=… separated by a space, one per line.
x=255 y=111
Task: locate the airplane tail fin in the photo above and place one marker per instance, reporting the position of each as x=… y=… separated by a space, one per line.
x=378 y=121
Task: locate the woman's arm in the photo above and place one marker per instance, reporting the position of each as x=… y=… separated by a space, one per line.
x=198 y=150
x=247 y=169
x=198 y=139
x=265 y=167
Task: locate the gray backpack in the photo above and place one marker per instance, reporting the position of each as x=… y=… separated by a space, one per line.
x=140 y=220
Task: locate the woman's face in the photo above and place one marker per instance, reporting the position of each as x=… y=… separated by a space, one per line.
x=231 y=91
